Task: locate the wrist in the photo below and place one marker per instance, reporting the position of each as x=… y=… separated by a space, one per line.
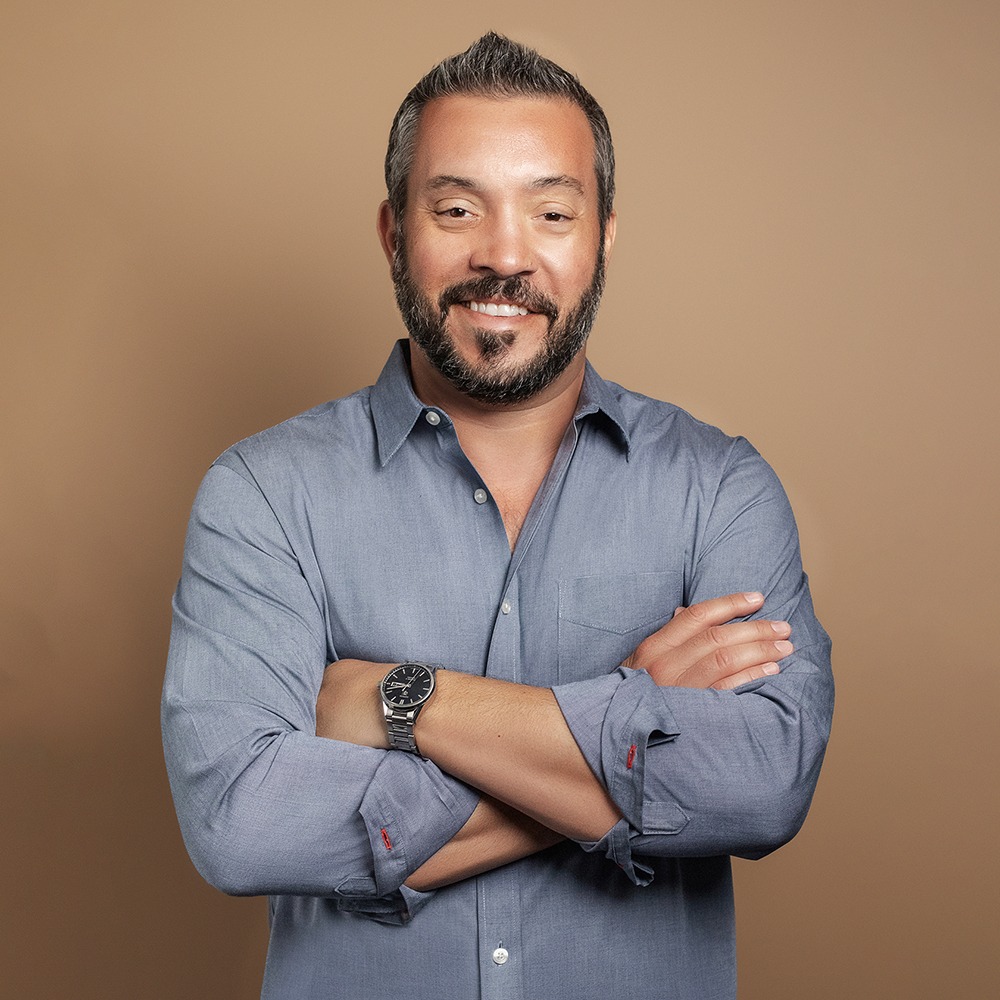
x=404 y=691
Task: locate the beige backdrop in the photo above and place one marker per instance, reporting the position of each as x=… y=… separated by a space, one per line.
x=807 y=254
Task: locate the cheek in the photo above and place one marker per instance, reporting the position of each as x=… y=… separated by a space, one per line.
x=571 y=262
x=576 y=274
x=436 y=263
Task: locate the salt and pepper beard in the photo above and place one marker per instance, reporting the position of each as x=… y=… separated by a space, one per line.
x=490 y=381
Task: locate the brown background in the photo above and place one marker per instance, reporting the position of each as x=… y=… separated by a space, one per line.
x=807 y=254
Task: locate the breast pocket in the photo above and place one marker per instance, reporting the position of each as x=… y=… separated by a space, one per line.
x=603 y=618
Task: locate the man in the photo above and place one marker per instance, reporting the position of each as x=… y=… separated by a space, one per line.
x=483 y=672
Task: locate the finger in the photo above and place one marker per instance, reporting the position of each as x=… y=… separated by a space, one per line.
x=718 y=637
x=746 y=676
x=688 y=622
x=731 y=661
x=717 y=652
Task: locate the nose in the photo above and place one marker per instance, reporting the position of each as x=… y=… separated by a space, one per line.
x=503 y=247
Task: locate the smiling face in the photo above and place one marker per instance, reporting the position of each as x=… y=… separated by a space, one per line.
x=499 y=262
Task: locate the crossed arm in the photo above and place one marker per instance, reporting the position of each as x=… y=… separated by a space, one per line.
x=268 y=806
x=511 y=742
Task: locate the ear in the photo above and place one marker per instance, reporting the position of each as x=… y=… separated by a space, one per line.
x=610 y=228
x=386 y=226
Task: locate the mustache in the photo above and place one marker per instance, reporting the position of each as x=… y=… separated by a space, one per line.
x=515 y=289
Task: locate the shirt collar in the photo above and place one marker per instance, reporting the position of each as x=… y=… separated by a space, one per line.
x=396 y=408
x=604 y=398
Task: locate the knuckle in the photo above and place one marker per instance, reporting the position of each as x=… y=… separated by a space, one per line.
x=697 y=613
x=667 y=635
x=717 y=635
x=725 y=660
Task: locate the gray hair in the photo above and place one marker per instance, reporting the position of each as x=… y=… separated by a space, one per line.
x=494 y=66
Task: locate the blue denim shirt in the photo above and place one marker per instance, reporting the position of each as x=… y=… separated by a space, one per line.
x=360 y=529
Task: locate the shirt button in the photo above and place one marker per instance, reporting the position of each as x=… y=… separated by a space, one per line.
x=480 y=496
x=432 y=417
x=500 y=956
x=505 y=607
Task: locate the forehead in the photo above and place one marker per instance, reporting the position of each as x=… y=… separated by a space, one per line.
x=504 y=140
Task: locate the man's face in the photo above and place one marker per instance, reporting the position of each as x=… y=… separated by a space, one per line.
x=499 y=261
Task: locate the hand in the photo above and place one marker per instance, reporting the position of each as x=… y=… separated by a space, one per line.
x=702 y=647
x=349 y=706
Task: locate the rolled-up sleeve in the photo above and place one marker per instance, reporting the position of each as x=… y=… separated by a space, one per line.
x=705 y=772
x=266 y=806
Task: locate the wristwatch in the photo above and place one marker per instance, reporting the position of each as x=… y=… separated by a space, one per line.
x=405 y=690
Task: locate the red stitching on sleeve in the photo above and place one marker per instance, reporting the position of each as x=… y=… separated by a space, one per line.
x=386 y=840
x=630 y=760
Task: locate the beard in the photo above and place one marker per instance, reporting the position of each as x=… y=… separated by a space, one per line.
x=491 y=380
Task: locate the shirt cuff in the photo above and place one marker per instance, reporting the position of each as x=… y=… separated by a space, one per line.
x=615 y=845
x=614 y=720
x=411 y=810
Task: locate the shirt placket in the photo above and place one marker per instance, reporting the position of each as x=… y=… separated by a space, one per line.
x=501 y=970
x=501 y=967
x=497 y=893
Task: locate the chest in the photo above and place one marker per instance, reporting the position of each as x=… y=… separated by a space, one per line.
x=424 y=569
x=513 y=502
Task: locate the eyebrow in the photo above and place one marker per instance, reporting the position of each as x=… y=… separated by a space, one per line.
x=451 y=181
x=563 y=180
x=468 y=184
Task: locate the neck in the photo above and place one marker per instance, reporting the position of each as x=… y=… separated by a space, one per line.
x=511 y=447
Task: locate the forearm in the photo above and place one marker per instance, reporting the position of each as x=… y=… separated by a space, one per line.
x=495 y=835
x=507 y=740
x=512 y=742
x=515 y=742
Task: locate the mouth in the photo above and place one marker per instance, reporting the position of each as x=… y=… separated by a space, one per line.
x=503 y=298
x=497 y=308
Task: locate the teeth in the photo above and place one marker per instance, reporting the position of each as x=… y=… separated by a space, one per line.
x=497 y=309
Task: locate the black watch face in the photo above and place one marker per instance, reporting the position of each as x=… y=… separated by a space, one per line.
x=407 y=685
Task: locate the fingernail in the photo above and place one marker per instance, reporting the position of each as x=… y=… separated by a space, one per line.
x=780 y=627
x=753 y=596
x=783 y=646
x=770 y=668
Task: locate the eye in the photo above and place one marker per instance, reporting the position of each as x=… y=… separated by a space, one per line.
x=456 y=217
x=555 y=217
